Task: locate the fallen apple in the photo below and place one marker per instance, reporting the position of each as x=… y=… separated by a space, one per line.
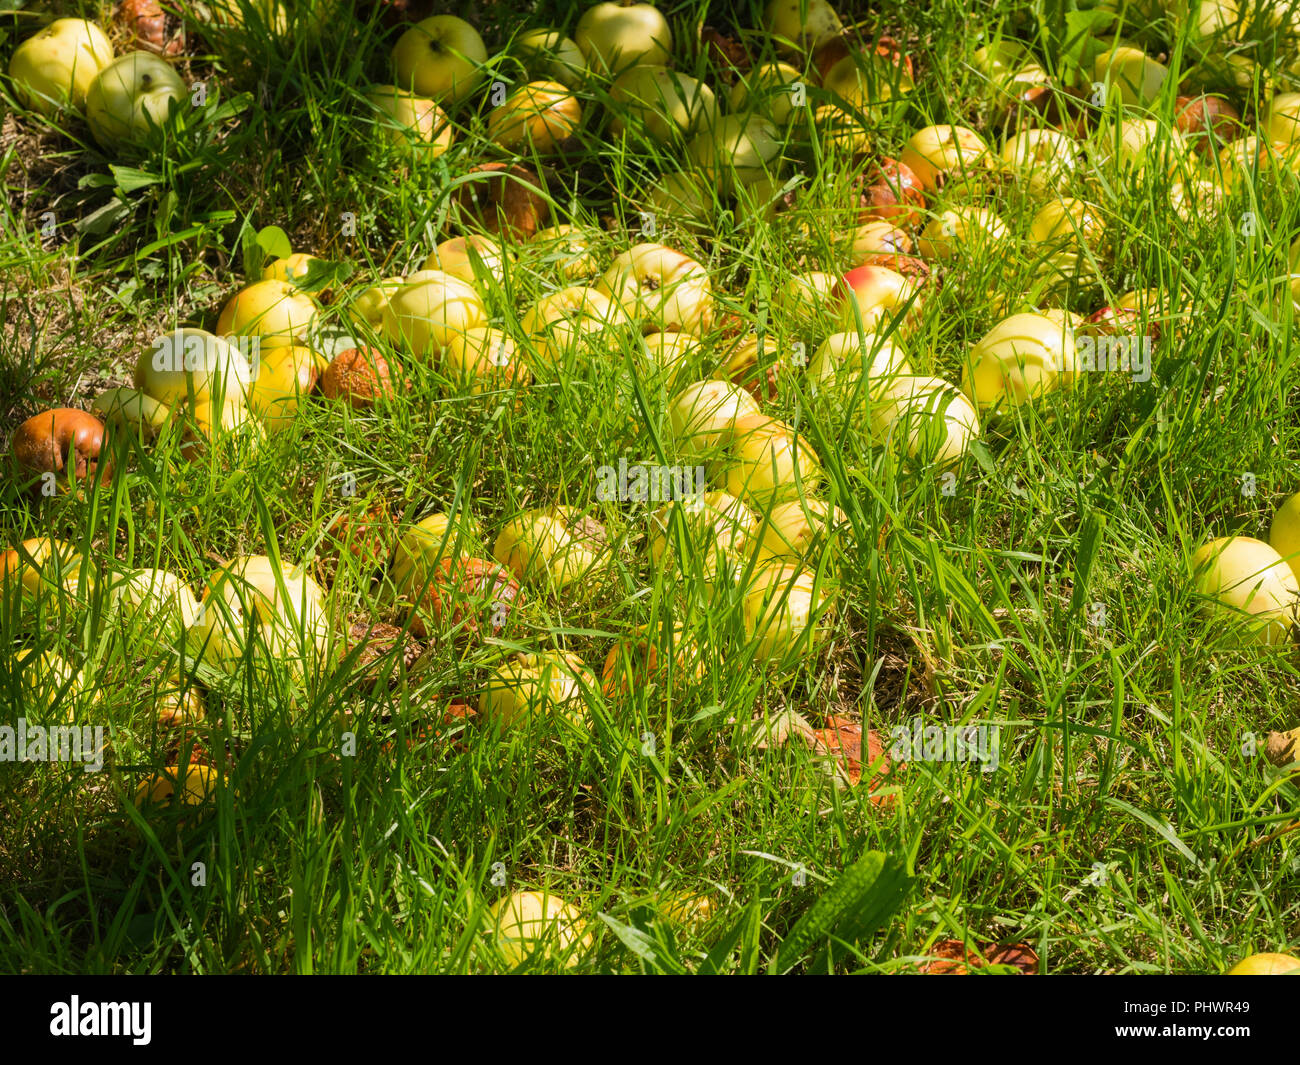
x=1266 y=965
x=366 y=310
x=768 y=462
x=890 y=191
x=737 y=151
x=539 y=927
x=663 y=104
x=275 y=311
x=768 y=90
x=1068 y=222
x=292 y=269
x=962 y=231
x=547 y=684
x=703 y=415
x=424 y=546
x=928 y=416
x=877 y=238
x=477 y=260
x=1019 y=359
x=1249 y=579
x=660 y=288
x=802 y=530
x=944 y=155
x=193 y=366
x=410 y=122
x=574 y=322
x=540 y=116
x=131 y=98
x=43 y=573
x=550 y=54
x=485 y=360
x=155 y=602
x=635 y=664
x=683 y=198
x=1284 y=532
x=843 y=360
x=59 y=447
x=570 y=248
x=809 y=297
x=1135 y=76
x=786 y=611
x=466 y=595
x=801 y=25
x=1283 y=122
x=614 y=36
x=359 y=377
x=553 y=547
x=876 y=297
x=441 y=58
x=54 y=67
x=131 y=411
x=672 y=354
x=286 y=377
x=422 y=316
x=506 y=199
x=190 y=785
x=703 y=536
x=1043 y=159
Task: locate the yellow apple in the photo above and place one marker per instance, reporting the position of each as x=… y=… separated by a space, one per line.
x=614 y=36
x=801 y=25
x=943 y=155
x=703 y=415
x=540 y=115
x=54 y=67
x=1266 y=965
x=1283 y=125
x=441 y=58
x=786 y=608
x=190 y=785
x=547 y=684
x=768 y=462
x=422 y=316
x=368 y=307
x=662 y=102
x=1140 y=143
x=843 y=359
x=660 y=288
x=48 y=684
x=130 y=410
x=287 y=375
x=423 y=547
x=532 y=925
x=570 y=248
x=766 y=89
x=929 y=417
x=1248 y=579
x=801 y=530
x=484 y=359
x=46 y=574
x=1284 y=532
x=705 y=535
x=671 y=353
x=961 y=231
x=811 y=296
x=405 y=120
x=1132 y=73
x=572 y=322
x=1043 y=158
x=877 y=238
x=1068 y=221
x=275 y=311
x=192 y=365
x=1018 y=360
x=456 y=257
x=155 y=602
x=292 y=269
x=552 y=547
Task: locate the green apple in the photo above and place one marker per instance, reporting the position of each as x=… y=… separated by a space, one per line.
x=1132 y=73
x=55 y=67
x=131 y=96
x=737 y=151
x=662 y=102
x=131 y=410
x=681 y=196
x=409 y=121
x=766 y=89
x=440 y=58
x=553 y=547
x=801 y=25
x=550 y=54
x=1250 y=582
x=614 y=36
x=192 y=365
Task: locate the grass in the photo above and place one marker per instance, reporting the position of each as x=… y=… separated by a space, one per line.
x=1132 y=823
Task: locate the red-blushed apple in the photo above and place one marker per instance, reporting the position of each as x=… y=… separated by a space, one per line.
x=660 y=288
x=947 y=155
x=875 y=296
x=456 y=256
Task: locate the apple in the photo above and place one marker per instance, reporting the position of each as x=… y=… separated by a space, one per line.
x=46 y=572
x=424 y=546
x=532 y=925
x=55 y=67
x=843 y=359
x=737 y=151
x=286 y=376
x=801 y=530
x=129 y=410
x=766 y=89
x=553 y=547
x=999 y=61
x=466 y=597
x=961 y=230
x=875 y=296
x=253 y=598
x=540 y=115
x=292 y=269
x=785 y=611
x=660 y=288
x=550 y=53
x=663 y=103
x=65 y=442
x=485 y=359
x=932 y=420
x=614 y=36
x=1066 y=222
x=863 y=79
x=359 y=377
x=671 y=353
x=1284 y=532
x=890 y=192
x=190 y=785
x=550 y=683
x=810 y=296
x=206 y=420
x=703 y=415
x=767 y=462
x=1043 y=158
x=1249 y=579
x=1283 y=124
x=47 y=683
x=839 y=131
x=1266 y=965
x=268 y=15
x=636 y=663
x=1132 y=73
x=539 y=927
x=130 y=97
x=422 y=316
x=409 y=121
x=192 y=365
x=368 y=307
x=180 y=703
x=1137 y=144
x=746 y=361
x=572 y=322
x=944 y=155
x=440 y=58
x=705 y=535
x=457 y=257
x=682 y=197
x=1020 y=358
x=877 y=238
x=570 y=248
x=155 y=602
x=275 y=311
x=1208 y=122
x=801 y=25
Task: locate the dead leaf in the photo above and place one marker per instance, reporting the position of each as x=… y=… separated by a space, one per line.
x=952 y=958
